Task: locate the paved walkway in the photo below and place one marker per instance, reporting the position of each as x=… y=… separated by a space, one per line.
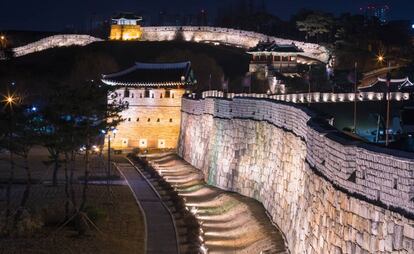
x=161 y=235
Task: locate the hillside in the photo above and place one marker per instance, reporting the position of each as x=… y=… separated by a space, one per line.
x=36 y=72
x=18 y=38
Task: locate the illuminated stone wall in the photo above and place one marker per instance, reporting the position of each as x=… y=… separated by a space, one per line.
x=125 y=32
x=55 y=41
x=245 y=39
x=152 y=122
x=299 y=170
x=239 y=38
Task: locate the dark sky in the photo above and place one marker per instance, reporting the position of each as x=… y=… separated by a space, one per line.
x=57 y=14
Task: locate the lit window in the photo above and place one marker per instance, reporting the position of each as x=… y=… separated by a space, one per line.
x=161 y=143
x=142 y=143
x=124 y=142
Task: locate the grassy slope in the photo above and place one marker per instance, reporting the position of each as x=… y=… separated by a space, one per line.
x=36 y=70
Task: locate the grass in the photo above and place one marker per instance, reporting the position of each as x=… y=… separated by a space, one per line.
x=117 y=216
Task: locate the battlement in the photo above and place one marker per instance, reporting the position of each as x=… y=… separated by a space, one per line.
x=327 y=192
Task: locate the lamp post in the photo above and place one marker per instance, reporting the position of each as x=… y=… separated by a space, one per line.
x=309 y=84
x=114 y=131
x=381 y=59
x=3 y=41
x=355 y=97
x=9 y=100
x=388 y=105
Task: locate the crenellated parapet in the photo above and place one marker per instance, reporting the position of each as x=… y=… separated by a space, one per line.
x=234 y=37
x=328 y=193
x=315 y=97
x=64 y=40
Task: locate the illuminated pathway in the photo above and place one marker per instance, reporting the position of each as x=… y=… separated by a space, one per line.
x=161 y=235
x=231 y=223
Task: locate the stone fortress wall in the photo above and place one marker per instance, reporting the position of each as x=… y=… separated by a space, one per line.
x=233 y=37
x=328 y=194
x=64 y=40
x=240 y=38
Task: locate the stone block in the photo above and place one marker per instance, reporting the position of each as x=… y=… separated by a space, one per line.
x=409 y=231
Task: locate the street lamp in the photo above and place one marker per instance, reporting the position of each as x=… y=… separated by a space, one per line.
x=114 y=131
x=2 y=41
x=10 y=100
x=381 y=59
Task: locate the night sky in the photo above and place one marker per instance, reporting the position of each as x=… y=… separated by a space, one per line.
x=58 y=14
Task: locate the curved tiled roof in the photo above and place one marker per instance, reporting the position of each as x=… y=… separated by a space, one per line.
x=152 y=74
x=274 y=47
x=127 y=15
x=396 y=85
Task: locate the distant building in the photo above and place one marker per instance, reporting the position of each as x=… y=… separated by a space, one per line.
x=374 y=10
x=126 y=26
x=396 y=85
x=269 y=57
x=153 y=94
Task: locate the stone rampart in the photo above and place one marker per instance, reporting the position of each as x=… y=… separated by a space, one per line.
x=240 y=38
x=64 y=40
x=328 y=194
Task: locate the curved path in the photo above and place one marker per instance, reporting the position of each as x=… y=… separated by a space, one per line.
x=231 y=223
x=161 y=235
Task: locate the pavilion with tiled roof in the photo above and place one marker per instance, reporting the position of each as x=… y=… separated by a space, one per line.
x=273 y=57
x=396 y=85
x=152 y=75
